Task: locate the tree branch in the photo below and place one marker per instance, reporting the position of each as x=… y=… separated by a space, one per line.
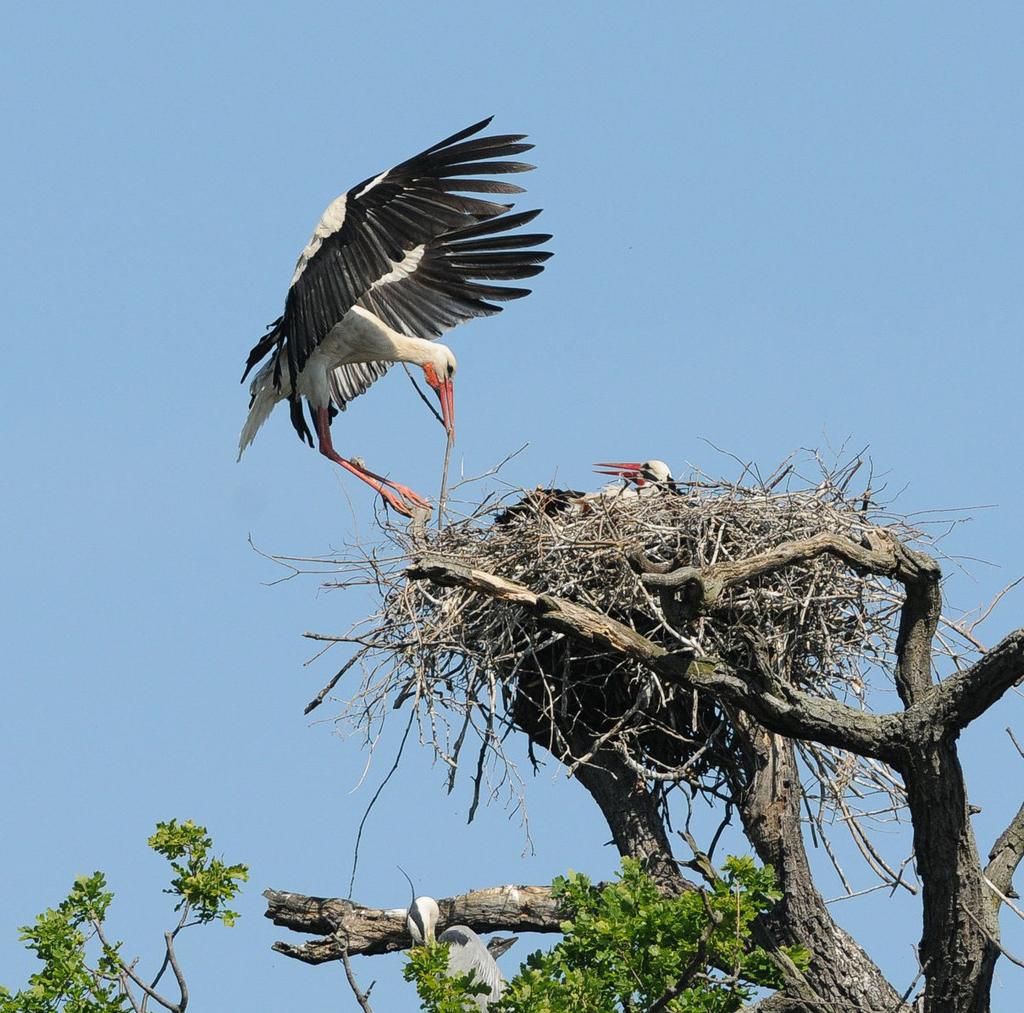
x=782 y=709
x=1006 y=855
x=129 y=970
x=992 y=939
x=377 y=930
x=961 y=698
x=178 y=975
x=770 y=810
x=879 y=557
x=879 y=553
x=363 y=998
x=186 y=909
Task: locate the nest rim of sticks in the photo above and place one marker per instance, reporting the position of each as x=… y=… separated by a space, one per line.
x=472 y=669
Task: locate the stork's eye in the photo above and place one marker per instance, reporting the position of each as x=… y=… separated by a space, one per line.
x=451 y=369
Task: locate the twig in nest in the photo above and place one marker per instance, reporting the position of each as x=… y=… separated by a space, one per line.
x=319 y=698
x=443 y=497
x=423 y=397
x=822 y=627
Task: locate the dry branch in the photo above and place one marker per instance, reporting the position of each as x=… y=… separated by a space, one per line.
x=473 y=666
x=652 y=643
x=382 y=930
x=967 y=695
x=783 y=709
x=1006 y=855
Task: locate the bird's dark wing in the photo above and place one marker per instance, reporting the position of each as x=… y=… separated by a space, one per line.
x=438 y=284
x=349 y=381
x=541 y=501
x=368 y=232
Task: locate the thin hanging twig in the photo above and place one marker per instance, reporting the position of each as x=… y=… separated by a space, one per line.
x=442 y=499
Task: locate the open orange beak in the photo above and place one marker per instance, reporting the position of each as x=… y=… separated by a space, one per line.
x=629 y=471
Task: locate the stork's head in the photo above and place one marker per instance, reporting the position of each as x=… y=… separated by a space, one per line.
x=421 y=920
x=641 y=474
x=439 y=372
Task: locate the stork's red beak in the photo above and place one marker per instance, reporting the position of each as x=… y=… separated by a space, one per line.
x=628 y=470
x=446 y=395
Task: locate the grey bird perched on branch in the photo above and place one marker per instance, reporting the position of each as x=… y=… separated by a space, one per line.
x=466 y=950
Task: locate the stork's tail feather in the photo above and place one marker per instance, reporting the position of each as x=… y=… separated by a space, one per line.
x=299 y=420
x=264 y=396
x=273 y=338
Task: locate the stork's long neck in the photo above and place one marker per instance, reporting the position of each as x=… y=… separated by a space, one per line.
x=362 y=337
x=415 y=350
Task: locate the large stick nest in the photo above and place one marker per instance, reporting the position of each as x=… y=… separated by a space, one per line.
x=473 y=668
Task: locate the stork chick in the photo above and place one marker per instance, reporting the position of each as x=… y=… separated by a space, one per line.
x=647 y=476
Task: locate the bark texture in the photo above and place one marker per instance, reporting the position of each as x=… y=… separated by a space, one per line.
x=344 y=925
x=770 y=811
x=961 y=899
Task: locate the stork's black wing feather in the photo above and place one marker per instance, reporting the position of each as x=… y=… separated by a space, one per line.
x=365 y=237
x=347 y=382
x=440 y=283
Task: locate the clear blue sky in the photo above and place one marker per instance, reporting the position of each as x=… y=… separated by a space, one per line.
x=775 y=226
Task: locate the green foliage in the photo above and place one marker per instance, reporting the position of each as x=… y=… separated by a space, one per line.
x=206 y=885
x=428 y=967
x=65 y=981
x=83 y=972
x=625 y=946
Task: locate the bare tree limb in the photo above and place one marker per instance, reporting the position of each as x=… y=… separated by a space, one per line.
x=770 y=810
x=995 y=942
x=882 y=555
x=1006 y=855
x=1019 y=912
x=130 y=971
x=961 y=698
x=178 y=975
x=879 y=554
x=376 y=930
x=363 y=998
x=785 y=710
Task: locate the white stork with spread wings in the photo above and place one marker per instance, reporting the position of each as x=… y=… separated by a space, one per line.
x=394 y=263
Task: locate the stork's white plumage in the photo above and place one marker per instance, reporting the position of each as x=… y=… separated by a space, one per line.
x=396 y=261
x=645 y=477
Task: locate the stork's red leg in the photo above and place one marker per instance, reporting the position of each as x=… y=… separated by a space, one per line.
x=403 y=490
x=376 y=482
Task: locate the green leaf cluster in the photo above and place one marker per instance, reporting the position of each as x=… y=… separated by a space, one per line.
x=428 y=967
x=82 y=971
x=625 y=945
x=59 y=937
x=204 y=885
